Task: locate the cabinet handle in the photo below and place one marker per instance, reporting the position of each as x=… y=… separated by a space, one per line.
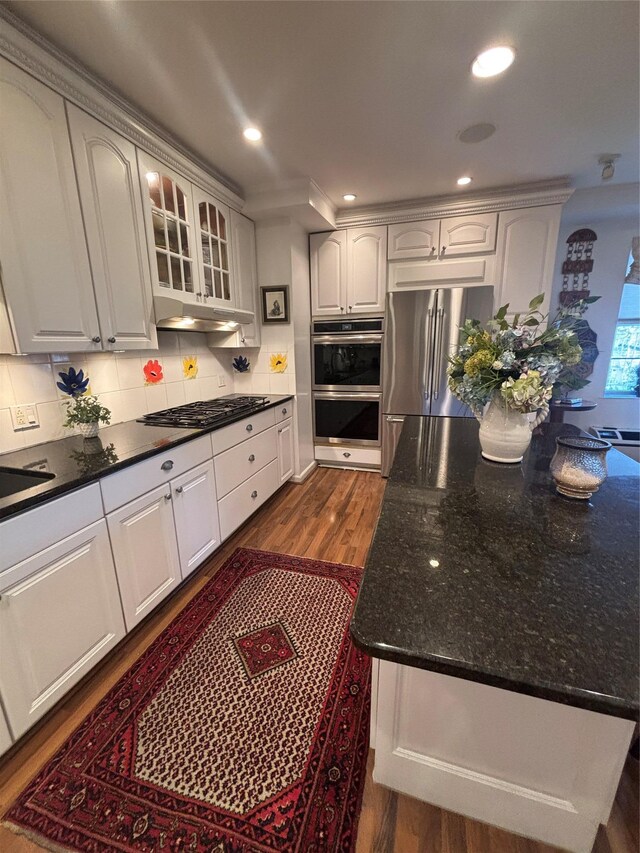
x=254 y=494
x=179 y=489
x=281 y=430
x=252 y=458
x=341 y=308
x=350 y=307
x=249 y=427
x=97 y=339
x=444 y=249
x=111 y=340
x=284 y=411
x=167 y=497
x=167 y=466
x=346 y=454
x=433 y=250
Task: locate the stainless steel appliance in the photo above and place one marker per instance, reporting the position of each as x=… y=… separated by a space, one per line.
x=347 y=381
x=422 y=329
x=205 y=413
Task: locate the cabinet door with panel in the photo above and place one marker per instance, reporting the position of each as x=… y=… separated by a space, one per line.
x=43 y=252
x=143 y=539
x=244 y=274
x=468 y=235
x=328 y=254
x=107 y=173
x=196 y=516
x=285 y=451
x=212 y=249
x=527 y=241
x=414 y=239
x=171 y=232
x=5 y=735
x=59 y=614
x=366 y=269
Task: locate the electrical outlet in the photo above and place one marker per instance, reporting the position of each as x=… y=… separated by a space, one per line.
x=221 y=380
x=24 y=417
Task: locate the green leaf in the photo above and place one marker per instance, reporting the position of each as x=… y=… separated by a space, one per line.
x=502 y=312
x=591 y=299
x=536 y=302
x=516 y=320
x=531 y=322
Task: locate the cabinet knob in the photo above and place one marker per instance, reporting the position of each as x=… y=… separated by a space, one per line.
x=341 y=308
x=167 y=466
x=96 y=339
x=254 y=494
x=249 y=427
x=179 y=489
x=252 y=458
x=350 y=307
x=111 y=340
x=284 y=411
x=167 y=497
x=444 y=249
x=346 y=454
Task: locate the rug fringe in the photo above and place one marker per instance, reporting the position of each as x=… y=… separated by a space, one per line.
x=40 y=840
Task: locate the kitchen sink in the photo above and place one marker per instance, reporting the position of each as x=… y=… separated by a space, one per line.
x=14 y=480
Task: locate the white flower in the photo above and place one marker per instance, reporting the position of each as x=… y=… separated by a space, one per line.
x=497 y=365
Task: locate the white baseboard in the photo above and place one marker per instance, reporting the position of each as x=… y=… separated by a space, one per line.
x=302 y=476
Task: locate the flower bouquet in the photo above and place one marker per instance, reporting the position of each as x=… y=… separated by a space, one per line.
x=85 y=412
x=505 y=373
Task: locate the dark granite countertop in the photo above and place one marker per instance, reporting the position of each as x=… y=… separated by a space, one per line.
x=481 y=571
x=76 y=461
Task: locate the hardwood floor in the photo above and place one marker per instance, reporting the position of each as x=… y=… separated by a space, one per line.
x=331 y=516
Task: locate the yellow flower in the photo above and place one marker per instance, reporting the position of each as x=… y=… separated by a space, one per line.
x=476 y=362
x=190 y=366
x=278 y=362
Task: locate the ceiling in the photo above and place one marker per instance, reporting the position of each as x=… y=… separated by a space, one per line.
x=367 y=97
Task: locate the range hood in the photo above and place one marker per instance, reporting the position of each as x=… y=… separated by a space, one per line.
x=172 y=313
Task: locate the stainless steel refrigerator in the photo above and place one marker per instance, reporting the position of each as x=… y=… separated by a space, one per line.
x=422 y=327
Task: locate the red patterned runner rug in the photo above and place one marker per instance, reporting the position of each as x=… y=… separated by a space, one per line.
x=244 y=727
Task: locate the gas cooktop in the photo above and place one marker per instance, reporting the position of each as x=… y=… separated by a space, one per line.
x=204 y=413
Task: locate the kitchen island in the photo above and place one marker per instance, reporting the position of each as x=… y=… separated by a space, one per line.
x=505 y=621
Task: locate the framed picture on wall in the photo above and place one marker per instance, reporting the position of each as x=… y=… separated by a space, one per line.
x=275 y=304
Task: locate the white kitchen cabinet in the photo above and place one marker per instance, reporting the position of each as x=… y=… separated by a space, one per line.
x=143 y=538
x=244 y=500
x=436 y=239
x=196 y=516
x=107 y=173
x=45 y=265
x=240 y=462
x=244 y=273
x=171 y=230
x=328 y=255
x=5 y=735
x=212 y=249
x=527 y=242
x=59 y=614
x=348 y=271
x=285 y=451
x=366 y=269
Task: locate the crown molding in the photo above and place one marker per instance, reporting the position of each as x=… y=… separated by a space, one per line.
x=25 y=47
x=502 y=198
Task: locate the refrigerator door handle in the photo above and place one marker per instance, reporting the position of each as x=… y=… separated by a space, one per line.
x=439 y=336
x=392 y=419
x=426 y=379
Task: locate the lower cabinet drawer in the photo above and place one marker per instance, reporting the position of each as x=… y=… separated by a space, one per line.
x=236 y=465
x=239 y=504
x=229 y=436
x=370 y=457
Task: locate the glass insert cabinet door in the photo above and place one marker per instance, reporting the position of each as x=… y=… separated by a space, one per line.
x=168 y=202
x=212 y=221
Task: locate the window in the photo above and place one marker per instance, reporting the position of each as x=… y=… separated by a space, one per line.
x=622 y=379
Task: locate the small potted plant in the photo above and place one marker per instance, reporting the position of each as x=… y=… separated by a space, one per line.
x=85 y=411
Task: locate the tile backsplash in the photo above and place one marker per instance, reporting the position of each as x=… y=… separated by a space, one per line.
x=120 y=382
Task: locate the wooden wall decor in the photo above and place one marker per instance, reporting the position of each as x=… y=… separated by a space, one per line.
x=578 y=263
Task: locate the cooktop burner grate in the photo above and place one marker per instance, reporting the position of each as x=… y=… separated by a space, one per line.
x=204 y=413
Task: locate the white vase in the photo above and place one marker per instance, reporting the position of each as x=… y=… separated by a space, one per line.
x=505 y=434
x=89 y=430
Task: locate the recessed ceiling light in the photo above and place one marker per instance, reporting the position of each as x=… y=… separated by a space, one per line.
x=493 y=61
x=464 y=180
x=252 y=134
x=349 y=197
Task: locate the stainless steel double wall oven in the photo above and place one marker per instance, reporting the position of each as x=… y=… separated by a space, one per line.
x=347 y=381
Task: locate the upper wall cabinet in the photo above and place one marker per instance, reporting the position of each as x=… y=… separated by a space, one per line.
x=107 y=173
x=212 y=249
x=348 y=271
x=45 y=265
x=439 y=238
x=245 y=275
x=527 y=241
x=171 y=234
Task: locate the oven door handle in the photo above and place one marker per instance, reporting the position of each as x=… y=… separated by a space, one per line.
x=339 y=395
x=348 y=339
